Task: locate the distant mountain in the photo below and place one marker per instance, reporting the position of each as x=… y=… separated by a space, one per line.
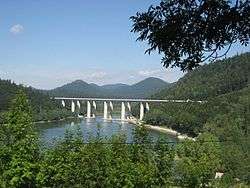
x=114 y=86
x=142 y=89
x=80 y=88
x=150 y=85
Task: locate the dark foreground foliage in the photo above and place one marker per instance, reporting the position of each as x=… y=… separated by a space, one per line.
x=73 y=163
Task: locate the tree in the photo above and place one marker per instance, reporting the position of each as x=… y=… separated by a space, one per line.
x=189 y=32
x=165 y=162
x=19 y=145
x=235 y=152
x=198 y=161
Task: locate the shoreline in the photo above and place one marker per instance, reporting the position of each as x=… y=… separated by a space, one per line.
x=49 y=121
x=169 y=131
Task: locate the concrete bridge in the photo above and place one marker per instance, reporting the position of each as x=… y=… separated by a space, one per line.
x=108 y=105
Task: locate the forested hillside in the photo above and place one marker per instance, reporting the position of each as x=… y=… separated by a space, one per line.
x=225 y=86
x=216 y=82
x=79 y=88
x=43 y=107
x=212 y=79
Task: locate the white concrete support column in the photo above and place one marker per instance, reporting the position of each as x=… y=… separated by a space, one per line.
x=88 y=109
x=63 y=103
x=105 y=110
x=72 y=107
x=129 y=110
x=111 y=105
x=129 y=106
x=141 y=111
x=111 y=109
x=78 y=104
x=123 y=112
x=94 y=105
x=147 y=106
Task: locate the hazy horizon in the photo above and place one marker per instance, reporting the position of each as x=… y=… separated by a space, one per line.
x=87 y=83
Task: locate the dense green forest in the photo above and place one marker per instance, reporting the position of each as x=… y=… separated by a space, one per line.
x=43 y=108
x=211 y=80
x=101 y=162
x=225 y=85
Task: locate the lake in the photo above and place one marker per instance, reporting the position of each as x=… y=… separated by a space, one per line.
x=49 y=132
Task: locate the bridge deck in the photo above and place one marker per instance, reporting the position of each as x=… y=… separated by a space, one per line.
x=127 y=100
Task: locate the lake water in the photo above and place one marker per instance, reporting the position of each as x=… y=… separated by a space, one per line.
x=49 y=132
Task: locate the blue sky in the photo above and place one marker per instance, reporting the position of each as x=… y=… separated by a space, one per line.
x=46 y=43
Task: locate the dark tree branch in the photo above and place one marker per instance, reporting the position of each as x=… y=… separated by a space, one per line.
x=185 y=30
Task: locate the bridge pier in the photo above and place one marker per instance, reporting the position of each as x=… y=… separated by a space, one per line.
x=78 y=104
x=111 y=106
x=129 y=110
x=105 y=110
x=93 y=111
x=147 y=106
x=141 y=111
x=111 y=109
x=63 y=103
x=88 y=110
x=129 y=106
x=123 y=112
x=94 y=105
x=72 y=107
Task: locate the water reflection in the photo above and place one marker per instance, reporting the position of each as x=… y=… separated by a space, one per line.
x=90 y=128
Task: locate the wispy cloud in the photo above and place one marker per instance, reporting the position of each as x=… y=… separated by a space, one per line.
x=16 y=29
x=148 y=72
x=169 y=75
x=97 y=75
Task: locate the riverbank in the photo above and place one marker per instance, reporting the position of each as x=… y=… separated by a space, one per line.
x=56 y=120
x=166 y=130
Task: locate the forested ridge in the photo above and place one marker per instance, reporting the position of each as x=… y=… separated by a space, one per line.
x=43 y=108
x=212 y=79
x=226 y=114
x=224 y=84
